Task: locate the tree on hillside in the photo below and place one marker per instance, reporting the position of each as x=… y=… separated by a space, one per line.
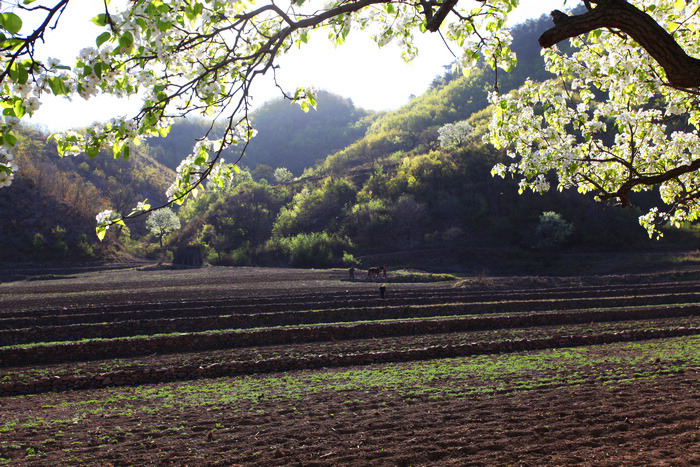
x=162 y=222
x=203 y=56
x=454 y=135
x=552 y=230
x=283 y=175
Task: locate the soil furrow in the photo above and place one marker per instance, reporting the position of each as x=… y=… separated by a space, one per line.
x=347 y=299
x=285 y=364
x=127 y=347
x=333 y=347
x=306 y=313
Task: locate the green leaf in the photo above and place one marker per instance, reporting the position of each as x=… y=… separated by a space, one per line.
x=189 y=12
x=57 y=86
x=192 y=12
x=19 y=74
x=117 y=149
x=142 y=22
x=93 y=151
x=126 y=40
x=101 y=230
x=12 y=44
x=679 y=5
x=11 y=22
x=100 y=20
x=19 y=108
x=102 y=38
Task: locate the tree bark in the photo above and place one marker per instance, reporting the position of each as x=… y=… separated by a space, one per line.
x=682 y=70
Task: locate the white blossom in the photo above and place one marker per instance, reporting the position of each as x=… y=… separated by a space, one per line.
x=6 y=178
x=32 y=104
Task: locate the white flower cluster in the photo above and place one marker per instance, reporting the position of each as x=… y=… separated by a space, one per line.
x=8 y=164
x=105 y=216
x=212 y=89
x=205 y=161
x=452 y=135
x=192 y=169
x=88 y=85
x=8 y=167
x=565 y=128
x=6 y=178
x=486 y=23
x=29 y=93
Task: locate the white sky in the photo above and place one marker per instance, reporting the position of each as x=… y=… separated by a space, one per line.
x=375 y=79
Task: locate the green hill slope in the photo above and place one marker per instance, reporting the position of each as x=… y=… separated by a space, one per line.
x=49 y=211
x=286 y=136
x=398 y=192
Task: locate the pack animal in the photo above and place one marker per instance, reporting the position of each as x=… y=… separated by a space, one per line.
x=376 y=272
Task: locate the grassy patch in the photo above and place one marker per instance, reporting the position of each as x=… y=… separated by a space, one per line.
x=458 y=377
x=416 y=276
x=609 y=365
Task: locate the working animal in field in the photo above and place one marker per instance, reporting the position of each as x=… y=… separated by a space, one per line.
x=376 y=272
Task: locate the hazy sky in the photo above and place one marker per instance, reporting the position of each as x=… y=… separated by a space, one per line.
x=375 y=79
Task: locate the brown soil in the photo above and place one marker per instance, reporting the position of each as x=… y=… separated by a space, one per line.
x=641 y=423
x=171 y=360
x=602 y=414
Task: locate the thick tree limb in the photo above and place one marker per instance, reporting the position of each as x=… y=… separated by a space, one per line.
x=650 y=180
x=682 y=70
x=434 y=22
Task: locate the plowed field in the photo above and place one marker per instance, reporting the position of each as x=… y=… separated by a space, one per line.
x=245 y=366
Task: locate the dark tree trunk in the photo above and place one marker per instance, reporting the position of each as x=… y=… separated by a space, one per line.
x=682 y=70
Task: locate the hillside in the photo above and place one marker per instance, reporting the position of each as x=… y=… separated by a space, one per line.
x=451 y=97
x=370 y=188
x=400 y=195
x=286 y=136
x=51 y=206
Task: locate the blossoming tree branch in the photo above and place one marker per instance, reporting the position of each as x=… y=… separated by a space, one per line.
x=619 y=115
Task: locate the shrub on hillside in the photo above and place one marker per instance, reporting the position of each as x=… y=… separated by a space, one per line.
x=317 y=249
x=552 y=230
